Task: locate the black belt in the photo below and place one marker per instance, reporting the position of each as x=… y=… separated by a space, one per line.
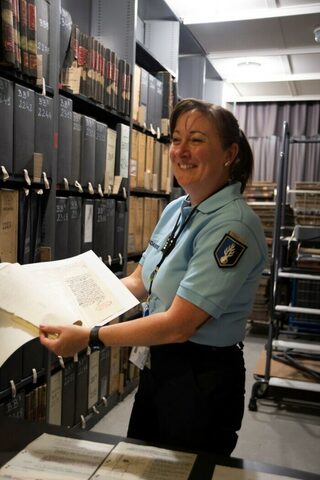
x=211 y=348
x=194 y=348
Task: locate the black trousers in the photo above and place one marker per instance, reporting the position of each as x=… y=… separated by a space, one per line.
x=191 y=398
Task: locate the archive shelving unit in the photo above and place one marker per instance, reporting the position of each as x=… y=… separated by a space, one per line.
x=117 y=24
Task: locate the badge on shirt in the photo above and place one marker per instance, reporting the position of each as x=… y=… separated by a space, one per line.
x=229 y=250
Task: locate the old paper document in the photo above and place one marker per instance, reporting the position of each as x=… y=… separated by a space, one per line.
x=80 y=288
x=88 y=285
x=230 y=473
x=133 y=462
x=52 y=457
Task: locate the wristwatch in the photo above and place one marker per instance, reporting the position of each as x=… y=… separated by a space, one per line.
x=94 y=341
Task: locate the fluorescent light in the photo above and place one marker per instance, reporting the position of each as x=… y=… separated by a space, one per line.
x=249 y=64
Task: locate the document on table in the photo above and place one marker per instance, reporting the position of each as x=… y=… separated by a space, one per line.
x=51 y=457
x=230 y=473
x=132 y=462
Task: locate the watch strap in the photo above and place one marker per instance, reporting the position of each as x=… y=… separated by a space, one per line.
x=94 y=342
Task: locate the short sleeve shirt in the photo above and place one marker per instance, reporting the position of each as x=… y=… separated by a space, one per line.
x=216 y=263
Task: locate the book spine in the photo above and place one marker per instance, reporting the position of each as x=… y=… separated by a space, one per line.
x=100 y=152
x=128 y=90
x=23 y=130
x=87 y=162
x=121 y=86
x=108 y=78
x=68 y=394
x=9 y=225
x=76 y=147
x=6 y=120
x=65 y=139
x=61 y=228
x=44 y=131
x=87 y=225
x=32 y=38
x=24 y=36
x=43 y=44
x=7 y=39
x=74 y=231
x=100 y=228
x=16 y=34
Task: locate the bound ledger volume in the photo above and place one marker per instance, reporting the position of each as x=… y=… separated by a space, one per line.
x=87 y=224
x=88 y=147
x=36 y=205
x=120 y=220
x=55 y=398
x=74 y=225
x=9 y=225
x=32 y=39
x=43 y=46
x=93 y=378
x=23 y=11
x=14 y=407
x=111 y=213
x=110 y=160
x=122 y=154
x=100 y=153
x=7 y=43
x=68 y=394
x=61 y=228
x=65 y=140
x=23 y=130
x=104 y=367
x=76 y=147
x=100 y=227
x=44 y=131
x=24 y=226
x=6 y=130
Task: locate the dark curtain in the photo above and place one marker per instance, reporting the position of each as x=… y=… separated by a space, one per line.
x=263 y=124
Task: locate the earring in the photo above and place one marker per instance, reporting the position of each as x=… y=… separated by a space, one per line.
x=227 y=163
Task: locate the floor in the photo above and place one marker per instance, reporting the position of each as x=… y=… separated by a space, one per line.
x=270 y=435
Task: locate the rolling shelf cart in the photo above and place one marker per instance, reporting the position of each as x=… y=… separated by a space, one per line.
x=294 y=309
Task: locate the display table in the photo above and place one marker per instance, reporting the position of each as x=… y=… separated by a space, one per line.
x=16 y=434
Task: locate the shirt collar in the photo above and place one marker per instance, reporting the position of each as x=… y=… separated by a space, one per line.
x=221 y=198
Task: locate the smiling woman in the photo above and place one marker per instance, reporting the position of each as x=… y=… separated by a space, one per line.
x=199 y=273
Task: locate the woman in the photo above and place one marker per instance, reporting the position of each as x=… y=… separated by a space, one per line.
x=200 y=272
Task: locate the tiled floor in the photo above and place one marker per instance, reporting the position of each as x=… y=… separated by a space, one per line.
x=270 y=435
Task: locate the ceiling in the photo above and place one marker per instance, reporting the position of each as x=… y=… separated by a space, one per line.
x=261 y=49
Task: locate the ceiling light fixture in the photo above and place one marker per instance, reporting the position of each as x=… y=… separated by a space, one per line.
x=249 y=64
x=316 y=33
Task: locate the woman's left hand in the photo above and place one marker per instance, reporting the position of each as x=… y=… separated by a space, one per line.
x=64 y=340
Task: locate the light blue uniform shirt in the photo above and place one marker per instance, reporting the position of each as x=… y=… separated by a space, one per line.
x=198 y=268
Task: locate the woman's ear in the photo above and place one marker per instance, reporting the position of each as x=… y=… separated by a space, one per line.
x=231 y=154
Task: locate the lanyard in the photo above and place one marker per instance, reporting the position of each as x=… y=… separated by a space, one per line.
x=170 y=244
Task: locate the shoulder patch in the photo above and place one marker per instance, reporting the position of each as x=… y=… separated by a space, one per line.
x=229 y=250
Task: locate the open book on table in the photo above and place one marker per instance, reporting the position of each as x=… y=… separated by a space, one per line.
x=80 y=289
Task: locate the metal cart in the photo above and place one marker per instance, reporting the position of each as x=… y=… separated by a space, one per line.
x=294 y=308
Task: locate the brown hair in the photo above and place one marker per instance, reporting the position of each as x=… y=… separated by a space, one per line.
x=228 y=131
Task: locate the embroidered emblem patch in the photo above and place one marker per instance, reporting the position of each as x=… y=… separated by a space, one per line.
x=229 y=250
